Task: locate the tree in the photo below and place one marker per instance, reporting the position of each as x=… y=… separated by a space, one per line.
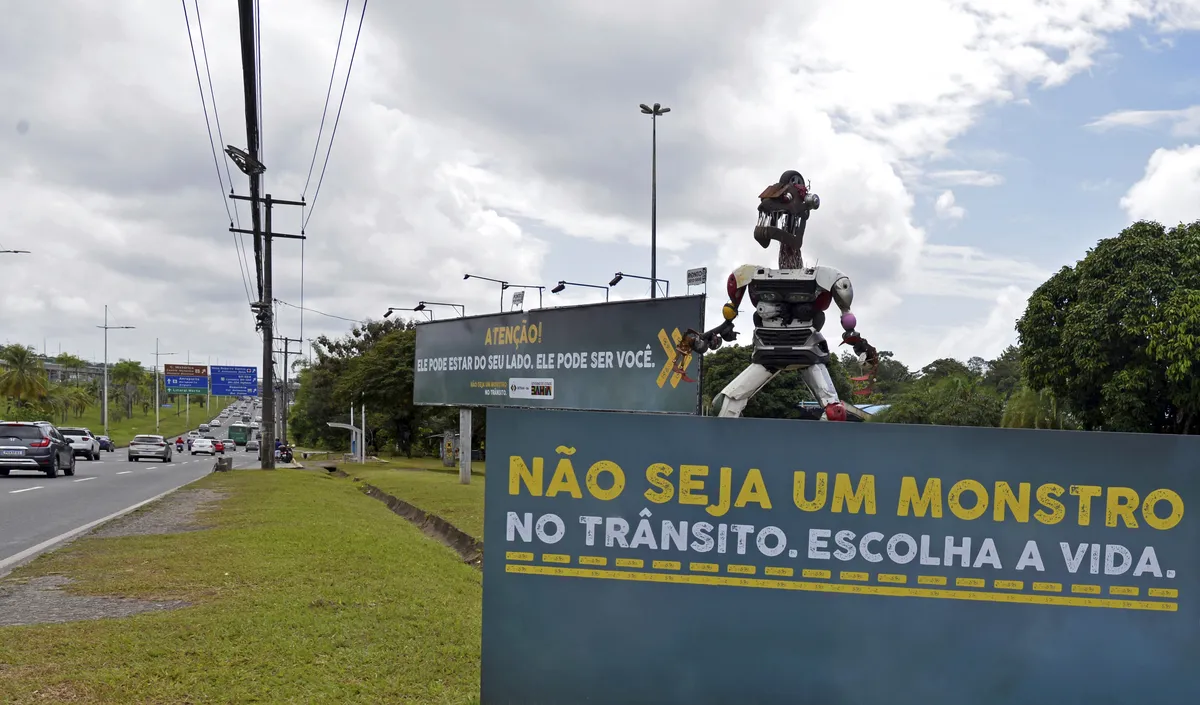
x=71 y=364
x=947 y=367
x=1028 y=408
x=1114 y=336
x=950 y=400
x=126 y=379
x=1004 y=373
x=23 y=376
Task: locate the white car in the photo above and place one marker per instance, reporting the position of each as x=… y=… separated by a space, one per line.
x=215 y=422
x=203 y=445
x=82 y=442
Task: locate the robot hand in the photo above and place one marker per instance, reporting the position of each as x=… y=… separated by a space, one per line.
x=693 y=341
x=867 y=354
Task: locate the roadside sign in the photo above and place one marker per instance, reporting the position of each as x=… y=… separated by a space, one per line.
x=686 y=560
x=697 y=277
x=619 y=356
x=186 y=379
x=234 y=381
x=519 y=299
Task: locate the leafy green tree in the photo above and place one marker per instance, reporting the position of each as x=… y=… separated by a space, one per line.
x=1004 y=373
x=1028 y=408
x=960 y=399
x=1114 y=337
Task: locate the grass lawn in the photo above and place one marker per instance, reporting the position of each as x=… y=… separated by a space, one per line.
x=170 y=424
x=436 y=492
x=306 y=591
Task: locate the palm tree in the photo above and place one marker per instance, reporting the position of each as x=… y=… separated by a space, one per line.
x=23 y=377
x=1029 y=408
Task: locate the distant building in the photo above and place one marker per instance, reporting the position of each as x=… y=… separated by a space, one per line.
x=57 y=373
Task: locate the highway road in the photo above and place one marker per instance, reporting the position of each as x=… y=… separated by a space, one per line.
x=35 y=509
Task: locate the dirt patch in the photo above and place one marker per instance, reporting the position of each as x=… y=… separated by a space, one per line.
x=174 y=514
x=41 y=600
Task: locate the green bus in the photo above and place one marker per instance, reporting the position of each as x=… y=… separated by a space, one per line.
x=240 y=433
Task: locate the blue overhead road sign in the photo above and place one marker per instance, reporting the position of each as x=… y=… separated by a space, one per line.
x=234 y=381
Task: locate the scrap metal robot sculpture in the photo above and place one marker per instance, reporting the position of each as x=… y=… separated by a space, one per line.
x=789 y=308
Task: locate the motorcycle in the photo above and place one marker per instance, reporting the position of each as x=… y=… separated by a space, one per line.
x=178 y=447
x=284 y=454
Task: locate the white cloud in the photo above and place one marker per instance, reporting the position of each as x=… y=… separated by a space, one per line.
x=1184 y=122
x=1169 y=191
x=966 y=177
x=475 y=139
x=989 y=337
x=945 y=208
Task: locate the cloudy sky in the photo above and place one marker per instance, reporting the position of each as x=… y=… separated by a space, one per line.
x=963 y=150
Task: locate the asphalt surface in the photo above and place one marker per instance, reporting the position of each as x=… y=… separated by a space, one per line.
x=35 y=508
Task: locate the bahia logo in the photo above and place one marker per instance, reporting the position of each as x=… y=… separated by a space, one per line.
x=541 y=388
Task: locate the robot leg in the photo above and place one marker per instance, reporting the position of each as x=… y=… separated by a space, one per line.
x=738 y=393
x=821 y=384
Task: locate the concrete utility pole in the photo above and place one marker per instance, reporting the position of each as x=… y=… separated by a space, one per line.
x=250 y=164
x=157 y=405
x=285 y=392
x=104 y=395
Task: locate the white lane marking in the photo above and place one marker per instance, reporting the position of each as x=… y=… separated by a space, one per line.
x=27 y=489
x=7 y=564
x=124 y=472
x=85 y=479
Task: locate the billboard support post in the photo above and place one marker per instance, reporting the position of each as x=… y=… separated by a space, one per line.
x=464 y=445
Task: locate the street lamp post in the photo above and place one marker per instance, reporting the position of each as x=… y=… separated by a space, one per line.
x=458 y=308
x=104 y=395
x=564 y=284
x=654 y=112
x=653 y=282
x=503 y=285
x=414 y=308
x=157 y=405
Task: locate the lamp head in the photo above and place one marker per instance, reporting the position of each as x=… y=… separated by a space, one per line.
x=616 y=279
x=466 y=276
x=388 y=313
x=559 y=288
x=420 y=306
x=646 y=109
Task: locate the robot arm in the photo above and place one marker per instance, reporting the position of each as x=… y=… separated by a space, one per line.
x=712 y=339
x=843 y=295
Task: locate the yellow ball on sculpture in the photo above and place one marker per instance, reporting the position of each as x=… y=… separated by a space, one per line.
x=729 y=312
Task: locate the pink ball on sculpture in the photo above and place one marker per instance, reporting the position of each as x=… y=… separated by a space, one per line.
x=849 y=321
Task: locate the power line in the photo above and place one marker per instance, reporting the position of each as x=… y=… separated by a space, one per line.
x=239 y=246
x=204 y=105
x=328 y=92
x=338 y=117
x=258 y=73
x=319 y=312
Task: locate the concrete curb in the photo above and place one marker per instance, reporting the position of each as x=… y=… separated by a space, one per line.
x=13 y=562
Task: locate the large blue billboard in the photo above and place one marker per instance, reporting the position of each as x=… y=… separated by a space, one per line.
x=234 y=381
x=647 y=558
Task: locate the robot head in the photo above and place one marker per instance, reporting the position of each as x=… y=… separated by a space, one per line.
x=783 y=211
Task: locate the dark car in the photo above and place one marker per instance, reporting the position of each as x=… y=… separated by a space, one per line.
x=36 y=447
x=106 y=443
